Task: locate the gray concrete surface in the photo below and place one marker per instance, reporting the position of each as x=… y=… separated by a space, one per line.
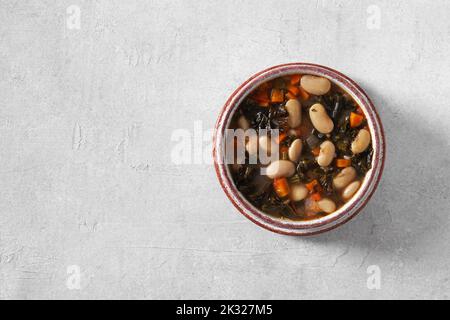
x=87 y=182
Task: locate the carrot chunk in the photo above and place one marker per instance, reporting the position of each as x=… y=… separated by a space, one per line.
x=281 y=137
x=277 y=96
x=290 y=95
x=310 y=185
x=355 y=119
x=281 y=187
x=316 y=196
x=295 y=79
x=303 y=94
x=316 y=151
x=295 y=90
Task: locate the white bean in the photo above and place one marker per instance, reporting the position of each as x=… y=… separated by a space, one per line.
x=294 y=110
x=326 y=154
x=327 y=205
x=280 y=169
x=361 y=141
x=343 y=178
x=295 y=150
x=320 y=119
x=315 y=85
x=298 y=192
x=350 y=190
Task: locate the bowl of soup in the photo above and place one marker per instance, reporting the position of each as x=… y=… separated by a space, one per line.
x=299 y=148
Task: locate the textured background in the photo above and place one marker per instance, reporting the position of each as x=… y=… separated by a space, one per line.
x=86 y=177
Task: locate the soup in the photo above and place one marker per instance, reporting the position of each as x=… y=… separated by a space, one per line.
x=311 y=143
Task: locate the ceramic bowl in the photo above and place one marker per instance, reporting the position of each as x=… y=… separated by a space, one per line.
x=328 y=222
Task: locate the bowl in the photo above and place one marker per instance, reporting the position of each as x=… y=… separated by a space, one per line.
x=350 y=208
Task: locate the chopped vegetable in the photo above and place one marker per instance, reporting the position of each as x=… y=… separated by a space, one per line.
x=290 y=95
x=303 y=94
x=281 y=187
x=355 y=119
x=295 y=90
x=310 y=186
x=281 y=137
x=295 y=79
x=342 y=163
x=316 y=196
x=316 y=151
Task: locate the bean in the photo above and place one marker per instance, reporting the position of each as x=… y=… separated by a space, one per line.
x=343 y=178
x=326 y=154
x=298 y=192
x=294 y=110
x=320 y=119
x=280 y=169
x=350 y=190
x=315 y=85
x=243 y=123
x=295 y=150
x=361 y=141
x=327 y=205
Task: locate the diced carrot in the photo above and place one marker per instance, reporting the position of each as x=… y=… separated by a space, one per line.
x=295 y=79
x=342 y=163
x=295 y=90
x=303 y=94
x=316 y=196
x=310 y=185
x=290 y=95
x=277 y=96
x=262 y=103
x=355 y=119
x=316 y=151
x=281 y=187
x=281 y=137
